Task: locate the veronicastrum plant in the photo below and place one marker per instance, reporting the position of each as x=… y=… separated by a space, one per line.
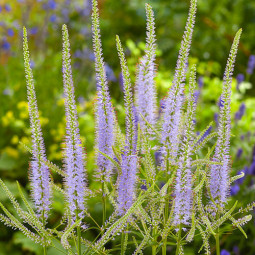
x=162 y=193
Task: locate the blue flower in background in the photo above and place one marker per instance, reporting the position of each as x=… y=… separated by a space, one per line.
x=109 y=73
x=10 y=32
x=34 y=30
x=52 y=4
x=236 y=250
x=252 y=168
x=240 y=78
x=53 y=18
x=251 y=64
x=200 y=82
x=239 y=114
x=234 y=189
x=6 y=45
x=224 y=252
x=7 y=7
x=239 y=153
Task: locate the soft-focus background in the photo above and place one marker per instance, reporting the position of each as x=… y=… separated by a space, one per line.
x=216 y=24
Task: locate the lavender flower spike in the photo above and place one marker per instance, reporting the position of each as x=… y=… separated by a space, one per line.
x=131 y=120
x=104 y=115
x=183 y=187
x=145 y=85
x=127 y=177
x=174 y=101
x=75 y=180
x=219 y=176
x=126 y=182
x=40 y=175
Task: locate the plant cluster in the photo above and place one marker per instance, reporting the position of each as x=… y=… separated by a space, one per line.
x=161 y=191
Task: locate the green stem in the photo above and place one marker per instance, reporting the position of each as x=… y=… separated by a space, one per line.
x=122 y=243
x=179 y=240
x=44 y=250
x=217 y=238
x=44 y=246
x=78 y=232
x=79 y=239
x=166 y=209
x=154 y=247
x=104 y=204
x=124 y=239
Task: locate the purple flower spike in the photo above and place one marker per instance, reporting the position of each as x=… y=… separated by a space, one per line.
x=173 y=104
x=126 y=182
x=219 y=179
x=105 y=114
x=145 y=84
x=105 y=136
x=75 y=180
x=40 y=175
x=183 y=186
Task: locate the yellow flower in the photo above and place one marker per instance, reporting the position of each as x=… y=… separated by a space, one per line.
x=12 y=152
x=25 y=140
x=8 y=118
x=15 y=139
x=22 y=105
x=61 y=102
x=44 y=121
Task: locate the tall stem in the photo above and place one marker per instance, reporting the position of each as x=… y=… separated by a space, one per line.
x=154 y=247
x=44 y=246
x=124 y=239
x=179 y=241
x=104 y=204
x=217 y=238
x=166 y=206
x=79 y=239
x=78 y=232
x=122 y=243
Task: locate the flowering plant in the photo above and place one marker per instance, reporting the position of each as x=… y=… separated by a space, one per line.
x=161 y=203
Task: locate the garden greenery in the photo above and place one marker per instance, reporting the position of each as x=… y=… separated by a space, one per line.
x=157 y=204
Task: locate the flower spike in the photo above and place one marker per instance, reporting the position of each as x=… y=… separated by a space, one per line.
x=145 y=84
x=75 y=181
x=104 y=114
x=174 y=101
x=40 y=175
x=219 y=178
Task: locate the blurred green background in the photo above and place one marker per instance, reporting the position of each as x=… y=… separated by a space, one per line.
x=216 y=24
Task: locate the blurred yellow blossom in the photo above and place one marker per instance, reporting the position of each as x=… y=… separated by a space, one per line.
x=44 y=121
x=22 y=104
x=25 y=140
x=61 y=102
x=15 y=139
x=7 y=118
x=12 y=152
